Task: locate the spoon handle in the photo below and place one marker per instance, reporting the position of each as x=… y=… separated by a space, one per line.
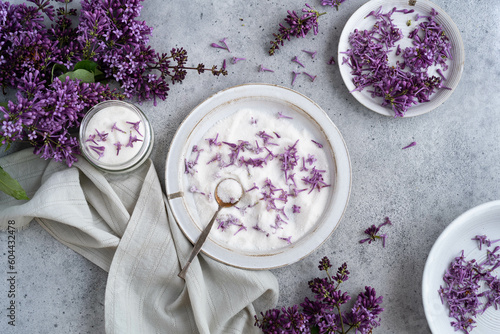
x=198 y=244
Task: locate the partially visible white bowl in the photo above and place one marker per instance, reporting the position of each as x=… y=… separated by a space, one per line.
x=481 y=220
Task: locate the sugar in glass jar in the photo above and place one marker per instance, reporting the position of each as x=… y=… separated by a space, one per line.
x=116 y=136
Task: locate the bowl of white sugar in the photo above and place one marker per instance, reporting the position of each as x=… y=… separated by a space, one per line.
x=288 y=156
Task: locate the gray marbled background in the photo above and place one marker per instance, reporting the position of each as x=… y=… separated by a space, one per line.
x=454 y=167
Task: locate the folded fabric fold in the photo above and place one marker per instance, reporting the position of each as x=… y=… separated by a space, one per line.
x=123 y=224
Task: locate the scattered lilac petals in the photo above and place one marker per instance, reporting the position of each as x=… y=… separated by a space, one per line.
x=311 y=53
x=408 y=146
x=263 y=69
x=234 y=60
x=373 y=231
x=310 y=76
x=224 y=46
x=296 y=60
x=295 y=75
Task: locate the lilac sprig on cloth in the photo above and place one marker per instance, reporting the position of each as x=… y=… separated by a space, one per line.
x=323 y=314
x=373 y=231
x=470 y=287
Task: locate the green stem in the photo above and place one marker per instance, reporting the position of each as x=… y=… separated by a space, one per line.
x=341 y=320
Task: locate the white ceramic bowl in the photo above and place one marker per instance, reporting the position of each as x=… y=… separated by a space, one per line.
x=266 y=97
x=481 y=220
x=422 y=7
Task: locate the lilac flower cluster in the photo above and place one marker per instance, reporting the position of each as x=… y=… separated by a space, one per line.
x=45 y=114
x=468 y=283
x=300 y=25
x=323 y=314
x=399 y=89
x=36 y=61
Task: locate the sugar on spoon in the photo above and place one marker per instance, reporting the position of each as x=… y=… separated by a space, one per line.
x=228 y=192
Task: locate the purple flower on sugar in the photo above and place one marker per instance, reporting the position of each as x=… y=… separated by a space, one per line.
x=295 y=209
x=317 y=144
x=135 y=126
x=253 y=120
x=195 y=190
x=280 y=115
x=102 y=135
x=114 y=127
x=288 y=240
x=310 y=159
x=316 y=180
x=296 y=60
x=253 y=188
x=303 y=168
x=98 y=149
x=213 y=141
x=118 y=147
x=91 y=138
x=132 y=140
x=258 y=228
x=373 y=231
x=217 y=157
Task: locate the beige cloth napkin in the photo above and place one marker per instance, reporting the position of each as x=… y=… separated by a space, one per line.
x=123 y=224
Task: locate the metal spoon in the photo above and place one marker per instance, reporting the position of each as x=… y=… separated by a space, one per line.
x=206 y=231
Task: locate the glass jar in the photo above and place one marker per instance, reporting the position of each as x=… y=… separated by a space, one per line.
x=116 y=136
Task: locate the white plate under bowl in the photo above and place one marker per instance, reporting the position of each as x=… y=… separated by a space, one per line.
x=265 y=97
x=421 y=7
x=481 y=220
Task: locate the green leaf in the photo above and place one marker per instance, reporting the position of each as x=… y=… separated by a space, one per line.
x=315 y=330
x=80 y=74
x=58 y=68
x=99 y=75
x=88 y=65
x=4 y=104
x=10 y=186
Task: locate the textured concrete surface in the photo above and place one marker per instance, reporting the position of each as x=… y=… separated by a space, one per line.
x=454 y=166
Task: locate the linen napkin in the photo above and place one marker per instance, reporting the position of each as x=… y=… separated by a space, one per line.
x=123 y=224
